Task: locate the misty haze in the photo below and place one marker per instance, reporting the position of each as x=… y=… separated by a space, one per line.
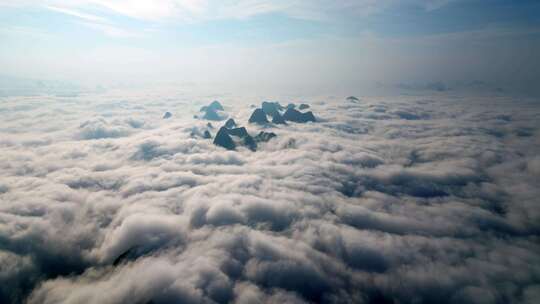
x=256 y=151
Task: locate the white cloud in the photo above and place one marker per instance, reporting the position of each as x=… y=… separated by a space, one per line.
x=193 y=10
x=98 y=23
x=70 y=12
x=114 y=31
x=152 y=10
x=103 y=201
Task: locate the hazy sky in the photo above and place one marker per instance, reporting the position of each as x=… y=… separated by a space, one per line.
x=293 y=42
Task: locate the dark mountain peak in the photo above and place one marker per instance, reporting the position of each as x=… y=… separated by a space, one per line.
x=214 y=105
x=264 y=136
x=291 y=114
x=167 y=115
x=271 y=108
x=230 y=123
x=240 y=132
x=303 y=106
x=247 y=140
x=211 y=110
x=297 y=116
x=308 y=116
x=224 y=140
x=250 y=142
x=211 y=114
x=278 y=119
x=258 y=117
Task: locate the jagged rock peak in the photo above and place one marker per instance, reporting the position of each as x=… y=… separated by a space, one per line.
x=278 y=119
x=240 y=132
x=215 y=106
x=223 y=139
x=271 y=108
x=250 y=143
x=352 y=99
x=297 y=116
x=230 y=123
x=258 y=116
x=211 y=114
x=264 y=136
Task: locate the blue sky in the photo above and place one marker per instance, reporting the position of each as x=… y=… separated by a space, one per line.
x=308 y=42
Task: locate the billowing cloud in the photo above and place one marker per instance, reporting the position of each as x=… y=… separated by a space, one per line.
x=430 y=199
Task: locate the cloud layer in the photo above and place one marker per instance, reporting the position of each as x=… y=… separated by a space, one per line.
x=403 y=199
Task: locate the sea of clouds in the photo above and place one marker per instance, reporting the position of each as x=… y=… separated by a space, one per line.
x=431 y=199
